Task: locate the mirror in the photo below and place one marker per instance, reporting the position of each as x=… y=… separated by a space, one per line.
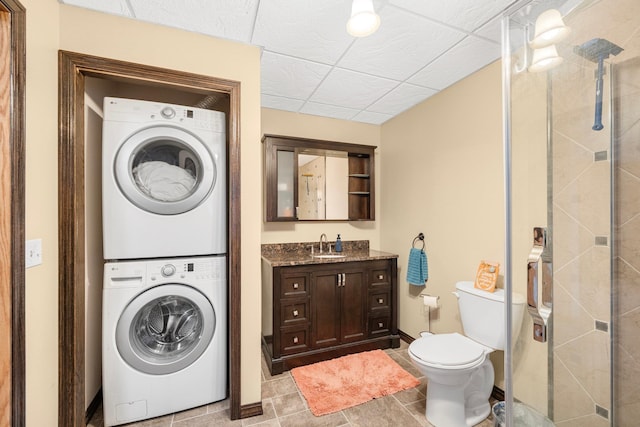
x=313 y=180
x=323 y=186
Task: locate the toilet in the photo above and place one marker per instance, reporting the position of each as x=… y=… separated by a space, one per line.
x=458 y=369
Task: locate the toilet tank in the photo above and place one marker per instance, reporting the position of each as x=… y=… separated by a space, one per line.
x=482 y=314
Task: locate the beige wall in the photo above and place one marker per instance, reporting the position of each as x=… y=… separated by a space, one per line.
x=41 y=310
x=51 y=26
x=442 y=176
x=278 y=122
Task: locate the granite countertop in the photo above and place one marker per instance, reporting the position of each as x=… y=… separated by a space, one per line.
x=290 y=254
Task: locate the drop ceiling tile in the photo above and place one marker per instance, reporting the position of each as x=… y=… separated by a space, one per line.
x=491 y=30
x=117 y=7
x=464 y=59
x=466 y=14
x=404 y=43
x=315 y=30
x=372 y=118
x=328 y=110
x=228 y=19
x=351 y=90
x=290 y=77
x=401 y=98
x=280 y=103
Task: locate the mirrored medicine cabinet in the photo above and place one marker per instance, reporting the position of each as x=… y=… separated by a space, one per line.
x=315 y=180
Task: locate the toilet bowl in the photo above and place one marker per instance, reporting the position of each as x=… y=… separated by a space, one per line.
x=458 y=369
x=460 y=378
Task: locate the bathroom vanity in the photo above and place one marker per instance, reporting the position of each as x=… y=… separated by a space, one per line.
x=317 y=309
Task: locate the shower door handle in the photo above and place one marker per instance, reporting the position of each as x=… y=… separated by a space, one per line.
x=540 y=284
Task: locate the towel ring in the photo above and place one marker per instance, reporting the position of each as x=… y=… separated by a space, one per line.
x=418 y=237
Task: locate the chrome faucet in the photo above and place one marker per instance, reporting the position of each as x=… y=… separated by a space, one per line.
x=322 y=236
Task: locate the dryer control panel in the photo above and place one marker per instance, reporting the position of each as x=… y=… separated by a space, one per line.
x=138 y=111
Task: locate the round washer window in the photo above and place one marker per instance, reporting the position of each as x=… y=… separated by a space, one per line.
x=165 y=170
x=165 y=329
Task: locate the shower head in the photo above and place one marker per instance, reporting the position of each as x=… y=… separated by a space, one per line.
x=596 y=49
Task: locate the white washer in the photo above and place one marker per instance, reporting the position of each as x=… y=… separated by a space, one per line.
x=163 y=180
x=164 y=336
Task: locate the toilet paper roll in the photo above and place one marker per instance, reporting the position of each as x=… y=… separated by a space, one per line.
x=430 y=301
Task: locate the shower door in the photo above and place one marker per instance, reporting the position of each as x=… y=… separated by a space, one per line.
x=573 y=174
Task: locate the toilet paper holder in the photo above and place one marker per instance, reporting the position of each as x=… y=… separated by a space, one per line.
x=430 y=301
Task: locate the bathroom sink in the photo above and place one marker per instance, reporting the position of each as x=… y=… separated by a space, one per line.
x=329 y=256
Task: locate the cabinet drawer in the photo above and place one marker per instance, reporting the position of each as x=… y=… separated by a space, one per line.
x=380 y=275
x=294 y=312
x=379 y=326
x=379 y=300
x=294 y=285
x=294 y=340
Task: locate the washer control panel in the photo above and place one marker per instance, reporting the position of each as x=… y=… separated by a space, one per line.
x=186 y=269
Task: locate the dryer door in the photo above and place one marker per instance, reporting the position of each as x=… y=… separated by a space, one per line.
x=165 y=329
x=165 y=170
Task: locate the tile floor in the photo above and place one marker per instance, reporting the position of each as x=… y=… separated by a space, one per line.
x=284 y=406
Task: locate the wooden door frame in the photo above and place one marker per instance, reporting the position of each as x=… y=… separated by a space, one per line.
x=13 y=205
x=72 y=70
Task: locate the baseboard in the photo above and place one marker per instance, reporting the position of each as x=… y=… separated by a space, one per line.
x=93 y=406
x=405 y=337
x=497 y=393
x=251 y=410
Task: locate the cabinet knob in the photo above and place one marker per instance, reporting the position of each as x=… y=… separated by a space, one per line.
x=380 y=300
x=380 y=276
x=295 y=340
x=295 y=313
x=380 y=324
x=295 y=286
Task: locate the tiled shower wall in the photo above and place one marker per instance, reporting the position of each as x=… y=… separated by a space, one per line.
x=627 y=243
x=581 y=250
x=586 y=290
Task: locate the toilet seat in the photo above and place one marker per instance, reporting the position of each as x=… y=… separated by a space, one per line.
x=448 y=351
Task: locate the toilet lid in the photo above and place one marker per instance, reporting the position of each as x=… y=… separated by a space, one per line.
x=447 y=350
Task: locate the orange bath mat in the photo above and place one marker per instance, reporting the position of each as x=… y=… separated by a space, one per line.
x=334 y=385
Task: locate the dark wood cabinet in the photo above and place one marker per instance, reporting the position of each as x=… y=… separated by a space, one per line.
x=323 y=311
x=338 y=306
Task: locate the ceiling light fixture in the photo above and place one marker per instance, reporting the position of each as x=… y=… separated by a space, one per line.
x=364 y=20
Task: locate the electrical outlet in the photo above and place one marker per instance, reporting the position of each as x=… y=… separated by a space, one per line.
x=33 y=255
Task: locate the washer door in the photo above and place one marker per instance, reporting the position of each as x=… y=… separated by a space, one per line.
x=165 y=170
x=165 y=329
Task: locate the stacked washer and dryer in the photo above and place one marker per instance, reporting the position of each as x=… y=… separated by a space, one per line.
x=164 y=321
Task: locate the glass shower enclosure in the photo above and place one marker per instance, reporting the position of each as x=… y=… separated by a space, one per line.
x=572 y=197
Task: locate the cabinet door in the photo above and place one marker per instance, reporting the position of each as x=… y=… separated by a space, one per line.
x=353 y=301
x=325 y=308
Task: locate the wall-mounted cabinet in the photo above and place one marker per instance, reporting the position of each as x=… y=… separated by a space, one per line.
x=314 y=180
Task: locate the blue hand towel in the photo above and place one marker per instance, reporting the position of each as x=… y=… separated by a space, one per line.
x=418 y=269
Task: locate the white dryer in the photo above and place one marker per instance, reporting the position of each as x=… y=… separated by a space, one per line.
x=164 y=336
x=163 y=180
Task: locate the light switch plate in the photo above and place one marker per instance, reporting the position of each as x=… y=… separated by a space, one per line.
x=33 y=255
